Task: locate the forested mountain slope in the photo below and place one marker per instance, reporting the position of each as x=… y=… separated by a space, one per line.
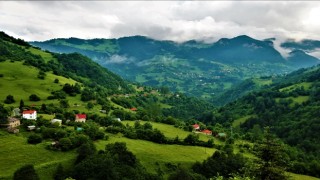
x=195 y=68
x=290 y=106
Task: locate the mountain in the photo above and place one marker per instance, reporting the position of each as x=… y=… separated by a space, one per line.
x=196 y=68
x=305 y=44
x=76 y=79
x=290 y=106
x=299 y=58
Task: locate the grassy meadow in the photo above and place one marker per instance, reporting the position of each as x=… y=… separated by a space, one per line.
x=16 y=152
x=170 y=131
x=152 y=155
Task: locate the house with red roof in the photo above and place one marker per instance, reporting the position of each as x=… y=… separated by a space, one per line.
x=196 y=126
x=29 y=114
x=207 y=132
x=133 y=109
x=81 y=118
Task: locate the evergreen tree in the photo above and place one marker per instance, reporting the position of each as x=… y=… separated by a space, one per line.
x=21 y=105
x=272 y=159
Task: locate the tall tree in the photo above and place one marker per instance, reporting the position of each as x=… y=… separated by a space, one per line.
x=272 y=159
x=21 y=105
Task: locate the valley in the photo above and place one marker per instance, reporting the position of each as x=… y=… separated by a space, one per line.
x=143 y=131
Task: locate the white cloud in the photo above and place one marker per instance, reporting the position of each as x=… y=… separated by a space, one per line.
x=170 y=20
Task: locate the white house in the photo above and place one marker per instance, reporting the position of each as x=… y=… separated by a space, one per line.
x=29 y=114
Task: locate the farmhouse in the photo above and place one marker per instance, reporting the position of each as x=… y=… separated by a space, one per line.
x=133 y=109
x=196 y=127
x=81 y=118
x=13 y=122
x=207 y=132
x=29 y=114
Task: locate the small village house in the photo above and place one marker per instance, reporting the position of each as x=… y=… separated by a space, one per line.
x=13 y=122
x=32 y=127
x=133 y=109
x=29 y=114
x=12 y=125
x=56 y=121
x=196 y=127
x=81 y=118
x=207 y=132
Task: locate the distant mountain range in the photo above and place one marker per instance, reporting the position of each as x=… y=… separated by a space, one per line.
x=192 y=67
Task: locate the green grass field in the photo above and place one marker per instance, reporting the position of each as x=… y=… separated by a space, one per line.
x=21 y=81
x=306 y=85
x=46 y=56
x=239 y=121
x=16 y=152
x=149 y=153
x=170 y=131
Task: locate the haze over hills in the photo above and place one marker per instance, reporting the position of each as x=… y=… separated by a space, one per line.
x=192 y=67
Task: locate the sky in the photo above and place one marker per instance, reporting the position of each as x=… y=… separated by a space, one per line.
x=163 y=20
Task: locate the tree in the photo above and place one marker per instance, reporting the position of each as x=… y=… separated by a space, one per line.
x=90 y=105
x=272 y=159
x=21 y=105
x=26 y=172
x=34 y=97
x=59 y=174
x=56 y=81
x=3 y=114
x=85 y=150
x=65 y=144
x=185 y=174
x=34 y=139
x=64 y=103
x=9 y=99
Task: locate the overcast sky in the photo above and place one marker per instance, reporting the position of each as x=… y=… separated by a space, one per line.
x=169 y=20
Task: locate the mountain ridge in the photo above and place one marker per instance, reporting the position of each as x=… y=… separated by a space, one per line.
x=192 y=67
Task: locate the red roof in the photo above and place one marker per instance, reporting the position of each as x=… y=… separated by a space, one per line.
x=196 y=126
x=206 y=131
x=81 y=116
x=29 y=112
x=133 y=109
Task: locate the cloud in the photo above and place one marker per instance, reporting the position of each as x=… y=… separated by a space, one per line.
x=117 y=59
x=165 y=20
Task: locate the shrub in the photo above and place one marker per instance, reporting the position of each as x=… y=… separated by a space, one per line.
x=9 y=99
x=34 y=97
x=34 y=139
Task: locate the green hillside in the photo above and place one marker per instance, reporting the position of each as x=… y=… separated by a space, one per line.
x=290 y=106
x=154 y=139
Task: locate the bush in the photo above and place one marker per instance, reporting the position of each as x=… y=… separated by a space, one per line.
x=26 y=172
x=34 y=97
x=9 y=99
x=34 y=139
